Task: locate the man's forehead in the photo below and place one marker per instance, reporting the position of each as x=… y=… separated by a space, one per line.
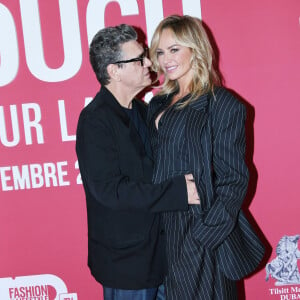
x=131 y=48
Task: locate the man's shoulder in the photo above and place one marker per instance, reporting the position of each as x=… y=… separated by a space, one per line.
x=140 y=103
x=97 y=105
x=95 y=114
x=158 y=98
x=156 y=101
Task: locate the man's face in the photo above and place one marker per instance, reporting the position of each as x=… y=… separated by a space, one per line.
x=134 y=76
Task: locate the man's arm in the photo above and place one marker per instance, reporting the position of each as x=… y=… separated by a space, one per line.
x=99 y=166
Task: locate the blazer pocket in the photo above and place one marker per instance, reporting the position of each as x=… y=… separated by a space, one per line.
x=130 y=242
x=241 y=251
x=129 y=229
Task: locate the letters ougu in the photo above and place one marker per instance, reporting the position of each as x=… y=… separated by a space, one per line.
x=70 y=27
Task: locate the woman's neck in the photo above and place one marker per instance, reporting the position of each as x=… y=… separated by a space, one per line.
x=179 y=95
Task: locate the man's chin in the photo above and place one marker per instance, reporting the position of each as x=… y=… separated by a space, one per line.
x=147 y=82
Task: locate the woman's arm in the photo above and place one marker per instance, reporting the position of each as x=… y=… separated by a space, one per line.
x=229 y=171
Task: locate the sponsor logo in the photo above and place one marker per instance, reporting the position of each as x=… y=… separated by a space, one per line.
x=284 y=269
x=37 y=287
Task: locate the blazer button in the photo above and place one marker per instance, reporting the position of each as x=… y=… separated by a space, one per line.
x=162 y=232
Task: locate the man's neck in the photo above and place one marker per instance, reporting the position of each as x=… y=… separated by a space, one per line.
x=122 y=95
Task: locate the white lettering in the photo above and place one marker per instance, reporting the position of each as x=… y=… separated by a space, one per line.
x=94 y=19
x=50 y=170
x=33 y=123
x=78 y=178
x=154 y=13
x=5 y=178
x=9 y=287
x=34 y=176
x=148 y=97
x=21 y=179
x=8 y=47
x=290 y=297
x=15 y=127
x=87 y=101
x=70 y=28
x=34 y=46
x=63 y=123
x=62 y=173
x=192 y=8
x=28 y=109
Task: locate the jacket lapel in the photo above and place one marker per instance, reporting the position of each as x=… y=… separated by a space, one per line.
x=112 y=102
x=196 y=136
x=198 y=114
x=158 y=104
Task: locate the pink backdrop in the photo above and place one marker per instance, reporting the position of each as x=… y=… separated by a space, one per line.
x=45 y=81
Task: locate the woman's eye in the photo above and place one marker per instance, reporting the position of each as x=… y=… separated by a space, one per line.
x=159 y=53
x=173 y=50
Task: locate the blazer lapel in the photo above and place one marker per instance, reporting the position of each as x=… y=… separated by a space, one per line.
x=198 y=114
x=197 y=120
x=158 y=104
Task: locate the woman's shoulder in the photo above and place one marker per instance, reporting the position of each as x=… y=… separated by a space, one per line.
x=223 y=99
x=223 y=95
x=225 y=105
x=219 y=102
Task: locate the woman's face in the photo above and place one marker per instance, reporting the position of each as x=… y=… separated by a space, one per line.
x=174 y=59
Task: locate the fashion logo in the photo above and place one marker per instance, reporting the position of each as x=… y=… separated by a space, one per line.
x=38 y=287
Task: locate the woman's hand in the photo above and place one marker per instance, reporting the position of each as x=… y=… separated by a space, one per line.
x=193 y=197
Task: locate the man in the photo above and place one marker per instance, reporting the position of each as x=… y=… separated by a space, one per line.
x=125 y=240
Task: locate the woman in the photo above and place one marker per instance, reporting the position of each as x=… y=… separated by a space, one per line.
x=198 y=127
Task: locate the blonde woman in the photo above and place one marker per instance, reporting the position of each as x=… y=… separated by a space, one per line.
x=197 y=126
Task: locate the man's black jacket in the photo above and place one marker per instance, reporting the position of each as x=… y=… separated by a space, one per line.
x=125 y=239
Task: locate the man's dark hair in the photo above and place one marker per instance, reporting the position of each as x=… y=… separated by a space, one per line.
x=105 y=48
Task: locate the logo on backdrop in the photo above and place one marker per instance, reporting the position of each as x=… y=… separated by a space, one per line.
x=284 y=268
x=37 y=287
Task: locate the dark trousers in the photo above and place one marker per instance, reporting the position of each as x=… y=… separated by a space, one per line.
x=145 y=294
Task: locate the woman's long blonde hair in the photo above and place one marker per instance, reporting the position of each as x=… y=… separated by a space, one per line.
x=188 y=32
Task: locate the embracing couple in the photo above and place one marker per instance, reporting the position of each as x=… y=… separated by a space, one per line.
x=164 y=183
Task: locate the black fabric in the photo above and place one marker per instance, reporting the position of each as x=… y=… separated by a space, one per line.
x=210 y=245
x=141 y=127
x=125 y=244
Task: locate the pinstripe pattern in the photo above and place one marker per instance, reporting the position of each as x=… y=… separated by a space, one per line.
x=210 y=245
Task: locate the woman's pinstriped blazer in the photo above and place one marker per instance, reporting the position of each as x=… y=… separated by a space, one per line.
x=215 y=135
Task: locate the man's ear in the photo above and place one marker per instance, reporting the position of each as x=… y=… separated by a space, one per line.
x=113 y=72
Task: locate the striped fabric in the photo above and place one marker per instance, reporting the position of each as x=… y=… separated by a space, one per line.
x=212 y=244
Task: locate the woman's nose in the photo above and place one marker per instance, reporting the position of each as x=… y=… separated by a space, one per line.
x=166 y=58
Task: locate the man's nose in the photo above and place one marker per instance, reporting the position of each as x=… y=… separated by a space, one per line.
x=147 y=62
